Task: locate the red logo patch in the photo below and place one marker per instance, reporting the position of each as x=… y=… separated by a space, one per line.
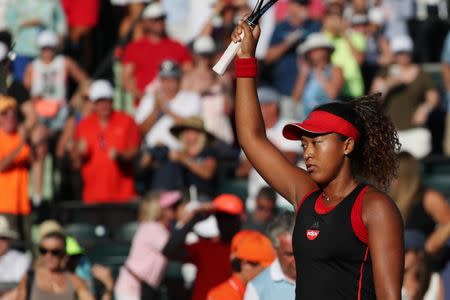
x=312 y=234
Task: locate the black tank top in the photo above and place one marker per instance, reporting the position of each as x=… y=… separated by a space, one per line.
x=418 y=218
x=332 y=263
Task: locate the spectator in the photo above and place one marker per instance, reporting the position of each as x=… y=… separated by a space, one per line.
x=419 y=280
x=319 y=82
x=350 y=47
x=13 y=263
x=82 y=17
x=269 y=100
x=77 y=261
x=214 y=91
x=409 y=97
x=51 y=279
x=277 y=281
x=429 y=29
x=446 y=77
x=15 y=158
x=251 y=253
x=281 y=53
x=140 y=68
x=8 y=85
x=107 y=143
x=134 y=9
x=158 y=111
x=46 y=79
x=195 y=164
x=210 y=256
x=70 y=186
x=26 y=19
x=145 y=263
x=378 y=53
x=423 y=209
x=225 y=16
x=265 y=210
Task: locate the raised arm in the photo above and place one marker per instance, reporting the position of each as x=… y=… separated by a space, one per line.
x=291 y=182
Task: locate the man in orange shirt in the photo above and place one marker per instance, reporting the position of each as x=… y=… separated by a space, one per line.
x=251 y=253
x=15 y=157
x=107 y=142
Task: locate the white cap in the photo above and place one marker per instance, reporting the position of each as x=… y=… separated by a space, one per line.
x=100 y=89
x=376 y=16
x=402 y=43
x=47 y=38
x=153 y=11
x=3 y=51
x=315 y=41
x=204 y=45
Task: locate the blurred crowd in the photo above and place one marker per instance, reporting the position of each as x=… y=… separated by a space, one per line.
x=113 y=105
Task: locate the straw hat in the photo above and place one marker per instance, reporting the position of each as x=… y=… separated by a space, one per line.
x=7 y=102
x=315 y=41
x=195 y=123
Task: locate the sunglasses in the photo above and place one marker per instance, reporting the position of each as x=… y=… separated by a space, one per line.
x=54 y=252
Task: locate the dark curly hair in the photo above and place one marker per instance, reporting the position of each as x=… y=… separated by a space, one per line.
x=375 y=155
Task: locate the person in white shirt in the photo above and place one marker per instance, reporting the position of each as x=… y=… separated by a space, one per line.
x=269 y=99
x=158 y=111
x=13 y=263
x=278 y=280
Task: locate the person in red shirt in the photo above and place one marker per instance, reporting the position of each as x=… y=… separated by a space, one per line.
x=107 y=142
x=251 y=253
x=141 y=59
x=211 y=256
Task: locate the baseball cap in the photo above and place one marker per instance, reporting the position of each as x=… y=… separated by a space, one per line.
x=5 y=229
x=169 y=68
x=267 y=94
x=204 y=45
x=153 y=11
x=167 y=199
x=7 y=102
x=320 y=122
x=48 y=39
x=376 y=16
x=315 y=41
x=402 y=43
x=229 y=204
x=253 y=246
x=100 y=89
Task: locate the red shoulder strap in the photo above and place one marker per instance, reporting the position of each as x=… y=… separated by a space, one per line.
x=356 y=218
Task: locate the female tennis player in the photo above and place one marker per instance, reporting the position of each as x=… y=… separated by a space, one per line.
x=348 y=238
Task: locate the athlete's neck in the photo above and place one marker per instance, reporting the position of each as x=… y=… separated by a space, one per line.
x=340 y=187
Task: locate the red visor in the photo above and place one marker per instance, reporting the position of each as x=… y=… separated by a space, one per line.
x=320 y=122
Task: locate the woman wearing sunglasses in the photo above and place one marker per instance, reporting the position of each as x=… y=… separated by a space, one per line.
x=348 y=237
x=50 y=280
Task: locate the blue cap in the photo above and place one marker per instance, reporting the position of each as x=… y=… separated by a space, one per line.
x=169 y=68
x=268 y=95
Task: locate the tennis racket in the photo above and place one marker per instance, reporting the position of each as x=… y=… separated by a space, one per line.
x=233 y=47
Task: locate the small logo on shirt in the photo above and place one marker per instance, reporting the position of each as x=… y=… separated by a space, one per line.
x=312 y=234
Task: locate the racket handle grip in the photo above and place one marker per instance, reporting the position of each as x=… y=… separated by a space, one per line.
x=226 y=58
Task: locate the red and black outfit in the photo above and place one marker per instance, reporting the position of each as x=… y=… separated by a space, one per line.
x=331 y=250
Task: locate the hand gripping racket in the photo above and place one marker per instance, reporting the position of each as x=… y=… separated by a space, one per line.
x=233 y=47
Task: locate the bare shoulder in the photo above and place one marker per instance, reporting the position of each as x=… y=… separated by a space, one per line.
x=433 y=196
x=378 y=205
x=77 y=282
